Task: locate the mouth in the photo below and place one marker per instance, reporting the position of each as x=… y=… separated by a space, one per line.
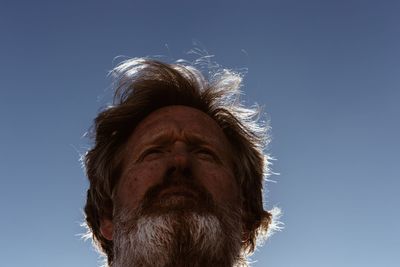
x=178 y=191
x=177 y=197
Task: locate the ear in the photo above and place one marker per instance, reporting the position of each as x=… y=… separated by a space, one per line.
x=106 y=229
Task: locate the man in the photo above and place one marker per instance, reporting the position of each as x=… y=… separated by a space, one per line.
x=176 y=170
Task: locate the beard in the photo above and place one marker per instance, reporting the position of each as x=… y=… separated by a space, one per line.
x=170 y=230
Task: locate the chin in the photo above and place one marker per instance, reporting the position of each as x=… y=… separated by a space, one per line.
x=176 y=235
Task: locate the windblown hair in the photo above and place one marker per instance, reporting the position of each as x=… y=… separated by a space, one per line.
x=143 y=86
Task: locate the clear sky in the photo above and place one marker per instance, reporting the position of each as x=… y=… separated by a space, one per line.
x=327 y=73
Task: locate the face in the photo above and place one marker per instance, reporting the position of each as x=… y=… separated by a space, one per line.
x=180 y=156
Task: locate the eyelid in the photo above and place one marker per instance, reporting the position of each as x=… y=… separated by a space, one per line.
x=205 y=149
x=209 y=151
x=148 y=151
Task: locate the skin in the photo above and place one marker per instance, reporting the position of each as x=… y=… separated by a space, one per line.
x=176 y=137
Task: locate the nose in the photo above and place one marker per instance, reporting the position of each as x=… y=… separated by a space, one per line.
x=181 y=158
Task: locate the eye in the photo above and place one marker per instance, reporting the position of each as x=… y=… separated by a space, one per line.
x=206 y=154
x=151 y=154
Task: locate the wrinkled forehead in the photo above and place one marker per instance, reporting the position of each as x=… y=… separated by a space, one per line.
x=183 y=120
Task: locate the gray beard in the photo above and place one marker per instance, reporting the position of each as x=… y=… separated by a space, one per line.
x=177 y=238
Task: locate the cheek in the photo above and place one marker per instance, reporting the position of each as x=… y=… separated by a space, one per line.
x=136 y=181
x=222 y=186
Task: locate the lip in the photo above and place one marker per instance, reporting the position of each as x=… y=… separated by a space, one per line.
x=178 y=191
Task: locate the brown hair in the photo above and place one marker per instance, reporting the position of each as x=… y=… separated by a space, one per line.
x=144 y=85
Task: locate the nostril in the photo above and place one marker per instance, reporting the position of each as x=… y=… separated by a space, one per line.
x=186 y=172
x=170 y=171
x=176 y=174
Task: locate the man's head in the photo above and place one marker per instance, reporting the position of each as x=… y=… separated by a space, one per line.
x=176 y=170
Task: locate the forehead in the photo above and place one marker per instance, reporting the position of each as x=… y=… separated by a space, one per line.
x=181 y=120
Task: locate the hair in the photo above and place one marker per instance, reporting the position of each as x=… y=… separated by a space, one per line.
x=145 y=85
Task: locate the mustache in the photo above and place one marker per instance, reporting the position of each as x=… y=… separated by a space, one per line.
x=202 y=198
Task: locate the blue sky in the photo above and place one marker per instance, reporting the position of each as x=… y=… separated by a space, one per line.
x=326 y=72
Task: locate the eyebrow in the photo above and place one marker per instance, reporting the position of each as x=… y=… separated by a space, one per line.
x=165 y=138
